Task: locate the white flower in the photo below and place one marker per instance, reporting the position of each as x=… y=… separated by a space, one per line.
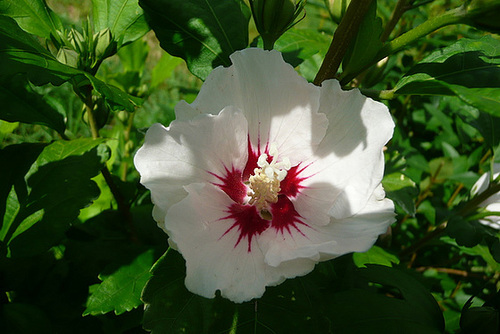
x=264 y=175
x=493 y=202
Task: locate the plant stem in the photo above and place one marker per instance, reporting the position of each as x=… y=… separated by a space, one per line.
x=401 y=7
x=345 y=33
x=123 y=206
x=454 y=16
x=126 y=139
x=89 y=105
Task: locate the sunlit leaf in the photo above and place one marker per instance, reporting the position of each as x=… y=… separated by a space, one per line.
x=33 y=16
x=59 y=186
x=375 y=255
x=469 y=69
x=202 y=32
x=124 y=18
x=120 y=291
x=401 y=189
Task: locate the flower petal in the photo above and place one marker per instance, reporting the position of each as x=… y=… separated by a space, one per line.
x=318 y=243
x=280 y=106
x=349 y=159
x=215 y=260
x=188 y=152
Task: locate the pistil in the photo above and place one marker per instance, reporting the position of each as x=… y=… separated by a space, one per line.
x=265 y=182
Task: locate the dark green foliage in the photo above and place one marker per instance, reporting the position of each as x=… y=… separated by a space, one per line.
x=79 y=249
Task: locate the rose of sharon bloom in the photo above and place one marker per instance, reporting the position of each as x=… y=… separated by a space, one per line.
x=264 y=175
x=493 y=202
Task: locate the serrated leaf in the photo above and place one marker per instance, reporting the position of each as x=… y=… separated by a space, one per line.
x=121 y=291
x=469 y=69
x=124 y=18
x=33 y=16
x=21 y=104
x=202 y=32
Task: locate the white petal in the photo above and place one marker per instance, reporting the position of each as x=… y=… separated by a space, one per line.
x=280 y=106
x=187 y=152
x=318 y=243
x=212 y=260
x=349 y=162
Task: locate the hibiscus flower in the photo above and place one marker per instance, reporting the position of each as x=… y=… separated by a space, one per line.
x=264 y=175
x=492 y=204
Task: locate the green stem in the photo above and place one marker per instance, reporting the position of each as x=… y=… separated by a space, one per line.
x=123 y=206
x=89 y=106
x=401 y=7
x=268 y=45
x=454 y=16
x=345 y=33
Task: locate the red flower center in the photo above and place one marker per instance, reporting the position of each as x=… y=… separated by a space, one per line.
x=251 y=219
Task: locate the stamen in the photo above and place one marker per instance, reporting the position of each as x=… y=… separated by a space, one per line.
x=265 y=183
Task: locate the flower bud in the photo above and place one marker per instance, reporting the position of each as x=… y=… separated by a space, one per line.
x=274 y=17
x=104 y=44
x=68 y=57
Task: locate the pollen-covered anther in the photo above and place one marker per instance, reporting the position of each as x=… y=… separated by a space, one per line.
x=265 y=182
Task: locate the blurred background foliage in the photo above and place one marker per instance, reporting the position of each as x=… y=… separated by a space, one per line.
x=77 y=237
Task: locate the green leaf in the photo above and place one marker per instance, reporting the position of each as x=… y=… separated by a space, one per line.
x=466 y=233
x=297 y=45
x=121 y=290
x=124 y=18
x=403 y=305
x=115 y=97
x=21 y=53
x=202 y=32
x=33 y=16
x=21 y=104
x=366 y=44
x=170 y=308
x=375 y=255
x=469 y=69
x=59 y=185
x=401 y=189
x=164 y=69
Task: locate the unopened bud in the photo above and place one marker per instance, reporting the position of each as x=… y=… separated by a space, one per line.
x=104 y=44
x=68 y=57
x=274 y=17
